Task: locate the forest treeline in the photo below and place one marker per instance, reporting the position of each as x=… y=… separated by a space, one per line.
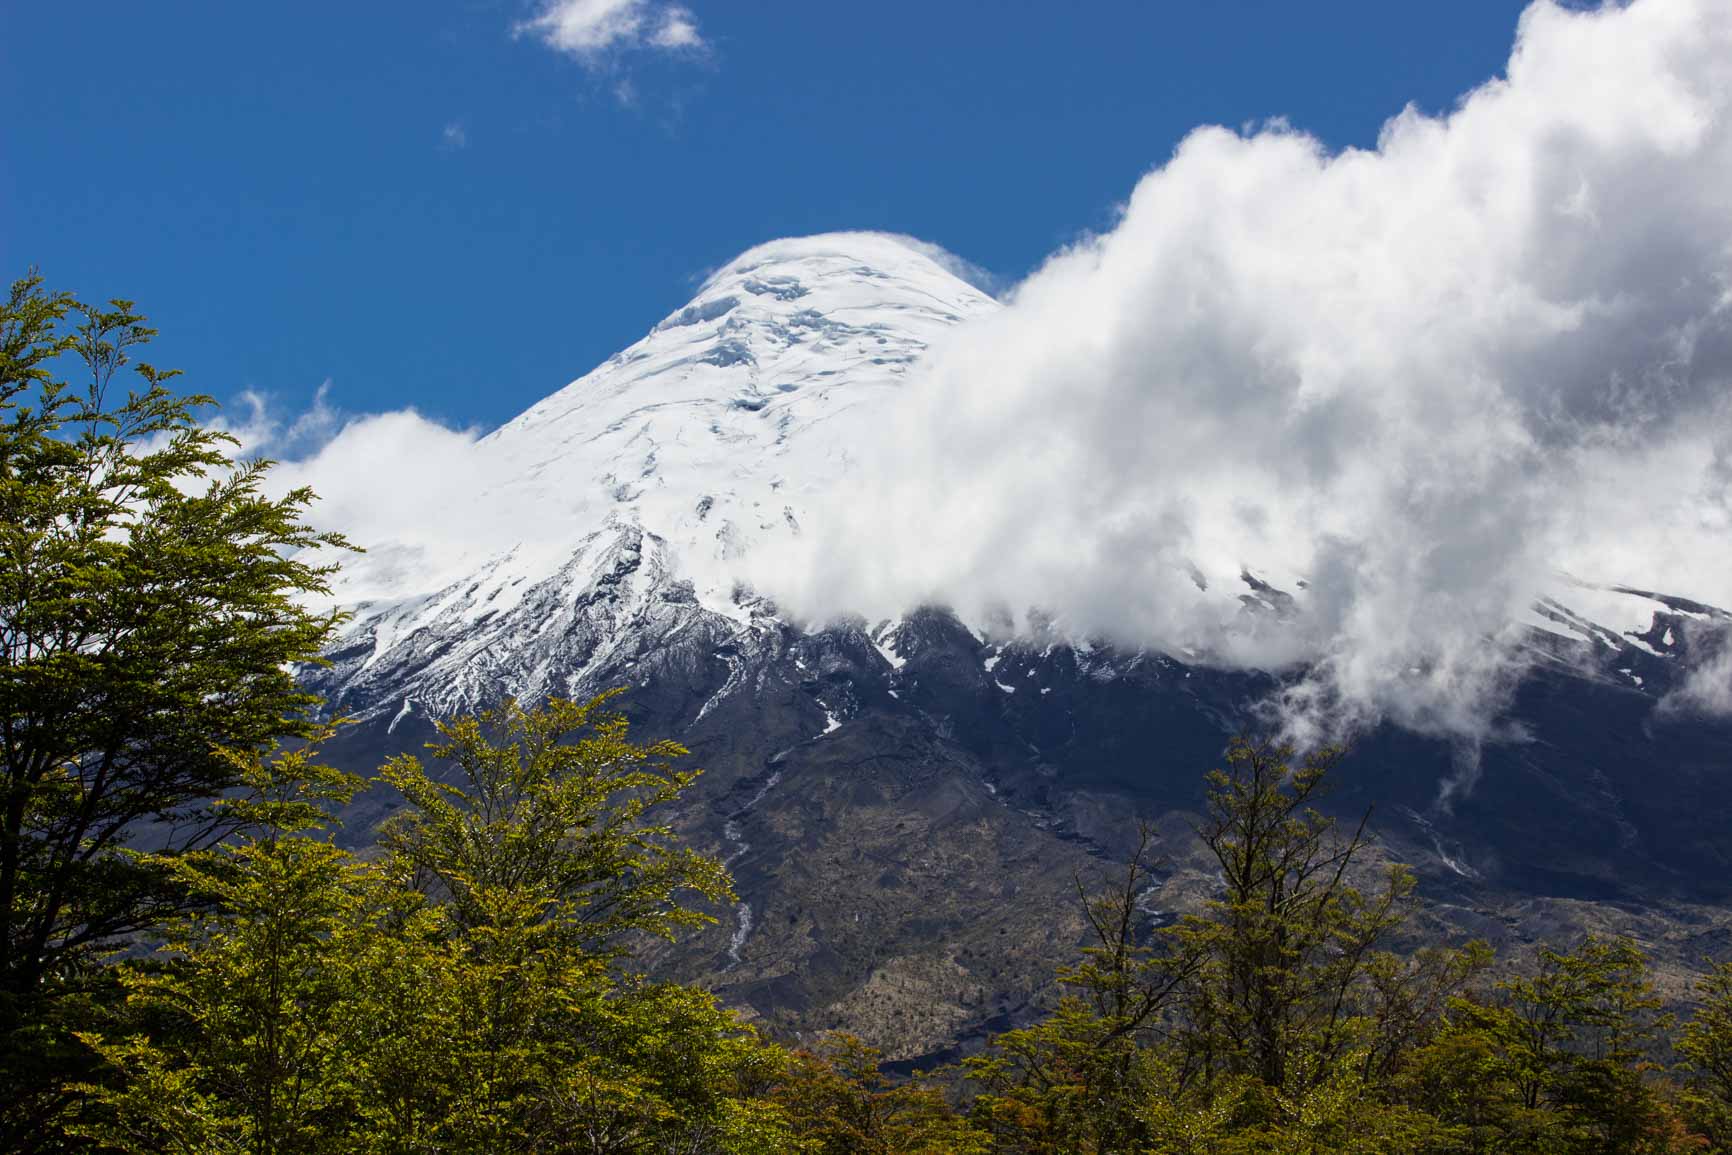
x=190 y=963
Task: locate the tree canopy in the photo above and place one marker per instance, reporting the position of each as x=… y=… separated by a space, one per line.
x=152 y=606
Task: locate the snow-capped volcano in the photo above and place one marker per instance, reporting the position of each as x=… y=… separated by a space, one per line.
x=615 y=512
x=657 y=469
x=710 y=430
x=885 y=792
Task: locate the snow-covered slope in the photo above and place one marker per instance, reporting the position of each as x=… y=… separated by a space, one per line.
x=710 y=429
x=605 y=520
x=622 y=497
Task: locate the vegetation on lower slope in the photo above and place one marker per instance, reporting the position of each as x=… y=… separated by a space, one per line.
x=469 y=988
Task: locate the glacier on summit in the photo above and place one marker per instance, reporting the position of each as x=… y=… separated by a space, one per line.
x=646 y=480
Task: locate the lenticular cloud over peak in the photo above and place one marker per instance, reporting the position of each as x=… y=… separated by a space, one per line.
x=1414 y=387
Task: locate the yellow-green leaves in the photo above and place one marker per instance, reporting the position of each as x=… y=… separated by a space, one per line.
x=152 y=602
x=552 y=823
x=319 y=1003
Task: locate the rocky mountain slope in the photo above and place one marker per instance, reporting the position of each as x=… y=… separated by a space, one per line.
x=906 y=804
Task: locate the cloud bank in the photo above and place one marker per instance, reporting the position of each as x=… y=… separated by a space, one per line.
x=1420 y=379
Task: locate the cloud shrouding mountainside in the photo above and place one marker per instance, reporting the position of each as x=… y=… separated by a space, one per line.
x=1424 y=378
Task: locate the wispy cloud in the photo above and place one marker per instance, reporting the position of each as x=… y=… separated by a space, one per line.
x=263 y=429
x=591 y=31
x=453 y=136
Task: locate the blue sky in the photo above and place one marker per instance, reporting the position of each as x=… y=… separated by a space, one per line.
x=424 y=207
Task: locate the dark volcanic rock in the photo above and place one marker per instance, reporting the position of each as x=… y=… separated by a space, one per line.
x=905 y=815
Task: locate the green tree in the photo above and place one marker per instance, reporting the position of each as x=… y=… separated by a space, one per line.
x=839 y=1102
x=1270 y=1021
x=1080 y=1079
x=151 y=606
x=1705 y=1048
x=1289 y=975
x=546 y=862
x=550 y=816
x=1573 y=1041
x=316 y=1003
x=236 y=1039
x=1460 y=1076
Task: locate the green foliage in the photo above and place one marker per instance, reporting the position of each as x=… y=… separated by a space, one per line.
x=1556 y=1060
x=1273 y=1014
x=151 y=604
x=840 y=1103
x=551 y=830
x=317 y=1003
x=544 y=865
x=1706 y=1049
x=1080 y=1080
x=241 y=1025
x=1289 y=979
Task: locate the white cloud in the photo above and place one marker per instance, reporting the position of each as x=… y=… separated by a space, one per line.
x=676 y=29
x=959 y=267
x=1422 y=378
x=260 y=430
x=453 y=136
x=405 y=488
x=590 y=30
x=1707 y=689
